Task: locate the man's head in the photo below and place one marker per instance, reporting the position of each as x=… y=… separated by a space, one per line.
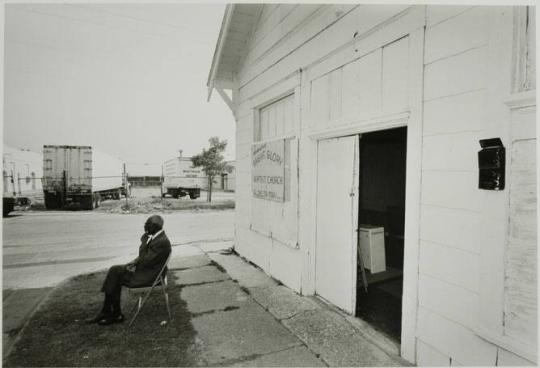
x=153 y=224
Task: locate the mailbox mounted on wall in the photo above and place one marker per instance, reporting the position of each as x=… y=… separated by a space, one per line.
x=491 y=164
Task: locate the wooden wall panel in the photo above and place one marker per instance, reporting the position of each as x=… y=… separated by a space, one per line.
x=451 y=152
x=450 y=265
x=320 y=101
x=508 y=359
x=395 y=74
x=450 y=301
x=428 y=356
x=442 y=117
x=463 y=234
x=361 y=95
x=451 y=189
x=454 y=340
x=451 y=37
x=462 y=73
x=521 y=254
x=440 y=13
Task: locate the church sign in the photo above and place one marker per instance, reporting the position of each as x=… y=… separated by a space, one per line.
x=268 y=170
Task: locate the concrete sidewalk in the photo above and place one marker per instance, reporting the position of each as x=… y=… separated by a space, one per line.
x=242 y=317
x=245 y=318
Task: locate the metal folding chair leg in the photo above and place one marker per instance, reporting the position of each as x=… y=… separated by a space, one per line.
x=166 y=295
x=142 y=299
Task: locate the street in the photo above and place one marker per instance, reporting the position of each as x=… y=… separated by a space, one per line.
x=41 y=249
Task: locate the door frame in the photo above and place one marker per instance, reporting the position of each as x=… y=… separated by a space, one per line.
x=413 y=120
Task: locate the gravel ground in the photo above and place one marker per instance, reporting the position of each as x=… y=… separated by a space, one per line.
x=148 y=200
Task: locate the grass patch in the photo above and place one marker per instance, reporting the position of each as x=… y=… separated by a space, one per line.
x=56 y=335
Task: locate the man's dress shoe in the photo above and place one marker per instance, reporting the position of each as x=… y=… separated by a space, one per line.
x=95 y=319
x=109 y=320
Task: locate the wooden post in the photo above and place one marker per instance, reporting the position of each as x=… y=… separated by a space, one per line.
x=13 y=183
x=161 y=179
x=19 y=182
x=126 y=185
x=64 y=188
x=209 y=189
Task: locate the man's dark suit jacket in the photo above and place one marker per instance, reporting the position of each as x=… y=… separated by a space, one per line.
x=152 y=257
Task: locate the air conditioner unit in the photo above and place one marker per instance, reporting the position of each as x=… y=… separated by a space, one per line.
x=372 y=248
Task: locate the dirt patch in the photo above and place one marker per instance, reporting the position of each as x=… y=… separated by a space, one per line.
x=164 y=205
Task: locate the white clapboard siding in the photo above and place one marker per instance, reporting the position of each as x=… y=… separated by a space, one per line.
x=458 y=74
x=450 y=265
x=463 y=234
x=521 y=254
x=428 y=356
x=310 y=44
x=452 y=152
x=454 y=340
x=291 y=20
x=457 y=34
x=450 y=301
x=508 y=359
x=324 y=17
x=442 y=117
x=440 y=13
x=264 y=24
x=451 y=189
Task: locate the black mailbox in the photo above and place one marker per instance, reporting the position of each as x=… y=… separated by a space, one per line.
x=491 y=164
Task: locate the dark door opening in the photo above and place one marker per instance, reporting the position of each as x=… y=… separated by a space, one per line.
x=381 y=215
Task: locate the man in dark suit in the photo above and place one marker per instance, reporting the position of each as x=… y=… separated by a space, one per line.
x=154 y=251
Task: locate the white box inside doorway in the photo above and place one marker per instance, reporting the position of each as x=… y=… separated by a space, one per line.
x=372 y=248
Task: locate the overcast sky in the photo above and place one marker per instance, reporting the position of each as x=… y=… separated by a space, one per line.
x=128 y=79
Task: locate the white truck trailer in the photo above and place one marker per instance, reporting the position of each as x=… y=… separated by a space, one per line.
x=80 y=176
x=180 y=178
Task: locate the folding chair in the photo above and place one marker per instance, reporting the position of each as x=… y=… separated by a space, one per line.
x=144 y=292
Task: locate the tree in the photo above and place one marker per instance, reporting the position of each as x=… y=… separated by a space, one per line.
x=212 y=161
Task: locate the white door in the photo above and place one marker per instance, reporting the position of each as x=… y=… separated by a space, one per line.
x=337 y=219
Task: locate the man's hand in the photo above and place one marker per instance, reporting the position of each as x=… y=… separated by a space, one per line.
x=130 y=267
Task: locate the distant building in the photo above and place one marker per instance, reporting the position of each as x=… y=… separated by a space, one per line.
x=22 y=171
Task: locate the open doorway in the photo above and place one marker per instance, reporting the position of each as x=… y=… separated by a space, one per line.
x=381 y=219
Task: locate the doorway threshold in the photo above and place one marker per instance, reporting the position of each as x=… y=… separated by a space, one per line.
x=388 y=345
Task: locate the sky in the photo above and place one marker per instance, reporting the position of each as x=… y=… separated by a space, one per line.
x=126 y=79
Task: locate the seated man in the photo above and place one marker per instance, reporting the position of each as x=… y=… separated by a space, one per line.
x=142 y=271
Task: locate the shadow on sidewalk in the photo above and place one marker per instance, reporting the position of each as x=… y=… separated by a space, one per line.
x=57 y=335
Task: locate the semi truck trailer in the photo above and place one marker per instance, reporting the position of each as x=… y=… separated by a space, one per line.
x=180 y=178
x=80 y=176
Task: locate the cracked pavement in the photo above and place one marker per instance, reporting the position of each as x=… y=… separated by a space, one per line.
x=243 y=317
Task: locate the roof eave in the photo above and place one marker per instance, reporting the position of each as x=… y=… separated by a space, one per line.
x=229 y=9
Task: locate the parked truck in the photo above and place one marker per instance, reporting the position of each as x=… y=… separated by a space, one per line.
x=80 y=176
x=180 y=178
x=8 y=203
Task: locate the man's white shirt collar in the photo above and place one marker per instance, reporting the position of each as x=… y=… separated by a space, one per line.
x=151 y=237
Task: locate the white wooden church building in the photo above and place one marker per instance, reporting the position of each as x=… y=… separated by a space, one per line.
x=359 y=127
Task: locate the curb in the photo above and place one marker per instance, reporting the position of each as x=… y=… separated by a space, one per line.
x=45 y=298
